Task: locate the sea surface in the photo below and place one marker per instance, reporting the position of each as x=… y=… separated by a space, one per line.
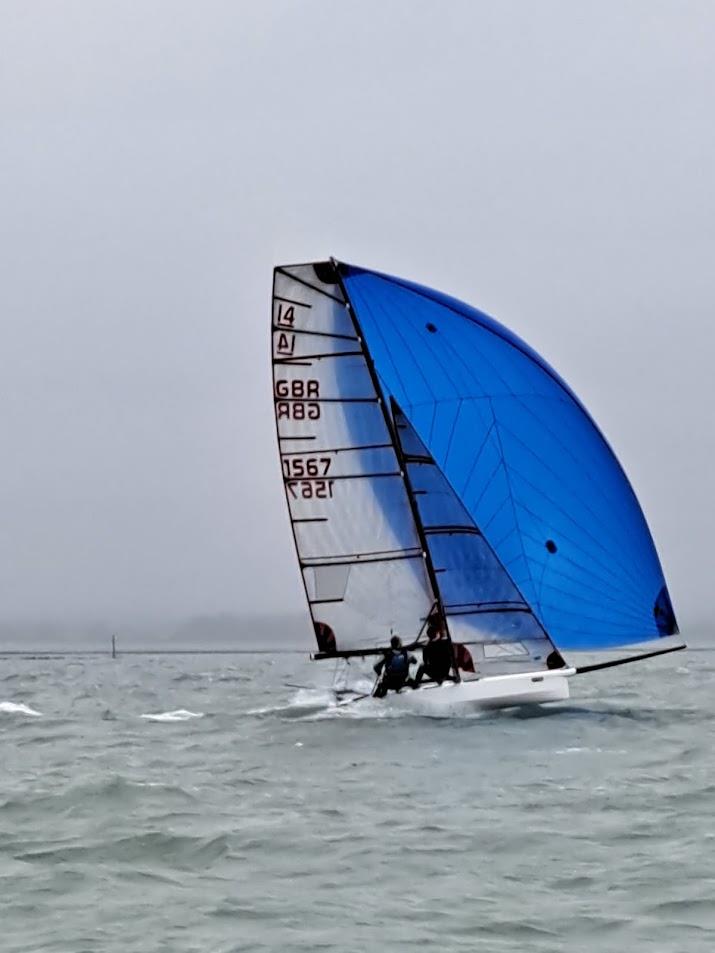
x=205 y=804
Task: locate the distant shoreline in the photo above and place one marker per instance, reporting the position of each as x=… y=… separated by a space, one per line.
x=77 y=653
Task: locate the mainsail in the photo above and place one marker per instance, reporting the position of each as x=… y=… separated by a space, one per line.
x=433 y=462
x=360 y=554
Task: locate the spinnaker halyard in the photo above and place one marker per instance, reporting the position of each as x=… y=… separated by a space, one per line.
x=436 y=468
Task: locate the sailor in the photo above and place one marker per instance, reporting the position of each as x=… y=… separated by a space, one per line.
x=436 y=656
x=325 y=637
x=394 y=668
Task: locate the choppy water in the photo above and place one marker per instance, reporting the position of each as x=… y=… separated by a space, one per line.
x=201 y=805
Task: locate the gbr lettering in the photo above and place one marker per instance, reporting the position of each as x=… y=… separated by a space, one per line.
x=297 y=399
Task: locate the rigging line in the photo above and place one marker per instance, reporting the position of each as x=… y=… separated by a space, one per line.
x=433 y=421
x=494 y=515
x=327 y=400
x=451 y=434
x=521 y=403
x=586 y=464
x=481 y=359
x=625 y=616
x=307 y=359
x=580 y=529
x=364 y=446
x=583 y=533
x=590 y=576
x=582 y=669
x=592 y=558
x=511 y=495
x=300 y=304
x=306 y=284
x=521 y=347
x=625 y=628
x=406 y=318
x=454 y=494
x=290 y=329
x=626 y=620
x=487 y=485
x=409 y=551
x=461 y=612
x=476 y=459
x=455 y=529
x=512 y=530
x=559 y=480
x=396 y=299
x=314 y=562
x=394 y=437
x=378 y=330
x=342 y=476
x=623 y=604
x=388 y=318
x=491 y=603
x=414 y=404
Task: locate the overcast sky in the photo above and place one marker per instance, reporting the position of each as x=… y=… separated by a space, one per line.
x=551 y=163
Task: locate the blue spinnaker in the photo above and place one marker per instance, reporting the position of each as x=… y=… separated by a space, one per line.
x=525 y=458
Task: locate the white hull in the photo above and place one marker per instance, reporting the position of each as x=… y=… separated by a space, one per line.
x=496 y=691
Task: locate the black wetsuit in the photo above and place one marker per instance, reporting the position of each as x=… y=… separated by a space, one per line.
x=436 y=661
x=395 y=668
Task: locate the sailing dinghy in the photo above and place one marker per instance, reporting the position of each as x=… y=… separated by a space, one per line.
x=437 y=468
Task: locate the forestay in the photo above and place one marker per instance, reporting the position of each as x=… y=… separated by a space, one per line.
x=359 y=551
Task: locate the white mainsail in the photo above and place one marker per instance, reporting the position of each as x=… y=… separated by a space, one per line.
x=358 y=547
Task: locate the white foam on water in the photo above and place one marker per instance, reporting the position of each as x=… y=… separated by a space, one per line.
x=304 y=701
x=17 y=708
x=181 y=714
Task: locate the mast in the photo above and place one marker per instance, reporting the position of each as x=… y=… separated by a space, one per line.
x=389 y=423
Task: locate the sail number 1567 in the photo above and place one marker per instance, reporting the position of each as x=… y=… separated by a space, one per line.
x=306 y=466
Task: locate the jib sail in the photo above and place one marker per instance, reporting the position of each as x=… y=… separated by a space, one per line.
x=482 y=606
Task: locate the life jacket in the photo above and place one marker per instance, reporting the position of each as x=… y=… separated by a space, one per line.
x=437 y=658
x=397 y=665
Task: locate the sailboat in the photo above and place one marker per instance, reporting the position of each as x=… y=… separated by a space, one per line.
x=437 y=468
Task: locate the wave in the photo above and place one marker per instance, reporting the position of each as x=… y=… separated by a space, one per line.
x=108 y=793
x=17 y=708
x=180 y=714
x=178 y=850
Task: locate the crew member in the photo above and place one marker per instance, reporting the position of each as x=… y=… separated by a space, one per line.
x=394 y=668
x=436 y=657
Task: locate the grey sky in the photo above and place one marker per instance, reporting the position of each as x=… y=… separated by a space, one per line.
x=550 y=163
